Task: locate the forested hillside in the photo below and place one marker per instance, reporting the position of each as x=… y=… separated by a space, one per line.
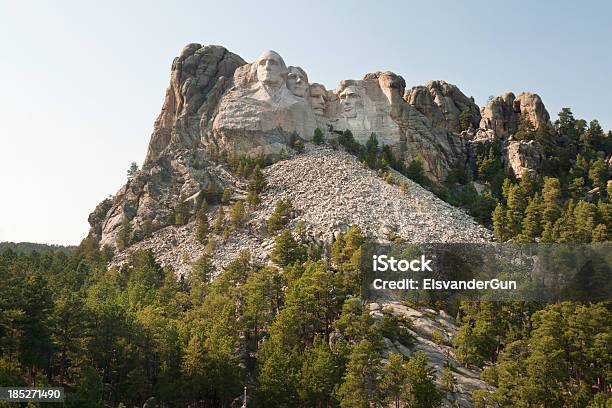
x=295 y=332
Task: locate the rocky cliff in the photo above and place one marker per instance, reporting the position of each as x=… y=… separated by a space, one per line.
x=217 y=105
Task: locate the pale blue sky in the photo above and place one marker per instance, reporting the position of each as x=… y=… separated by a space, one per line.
x=82 y=82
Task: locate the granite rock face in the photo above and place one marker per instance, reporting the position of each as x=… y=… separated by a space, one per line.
x=524 y=157
x=217 y=103
x=442 y=103
x=424 y=323
x=199 y=76
x=500 y=120
x=502 y=113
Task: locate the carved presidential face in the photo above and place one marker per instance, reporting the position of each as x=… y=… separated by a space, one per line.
x=349 y=99
x=297 y=81
x=317 y=98
x=270 y=68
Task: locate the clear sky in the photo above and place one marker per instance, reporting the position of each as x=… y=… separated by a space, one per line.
x=82 y=81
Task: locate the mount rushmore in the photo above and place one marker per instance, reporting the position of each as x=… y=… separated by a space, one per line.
x=218 y=104
x=218 y=99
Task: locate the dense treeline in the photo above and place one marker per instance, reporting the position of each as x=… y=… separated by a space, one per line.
x=295 y=334
x=25 y=247
x=546 y=355
x=572 y=186
x=535 y=355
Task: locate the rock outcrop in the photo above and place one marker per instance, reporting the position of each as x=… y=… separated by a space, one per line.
x=424 y=323
x=199 y=76
x=502 y=113
x=443 y=103
x=500 y=120
x=524 y=157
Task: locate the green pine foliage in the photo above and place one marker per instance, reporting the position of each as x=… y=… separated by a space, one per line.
x=124 y=236
x=466 y=118
x=238 y=215
x=257 y=183
x=281 y=215
x=287 y=250
x=318 y=138
x=132 y=171
x=202 y=227
x=181 y=212
x=526 y=130
x=219 y=220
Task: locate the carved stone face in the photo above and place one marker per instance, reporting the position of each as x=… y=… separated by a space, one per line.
x=317 y=99
x=349 y=98
x=297 y=81
x=270 y=68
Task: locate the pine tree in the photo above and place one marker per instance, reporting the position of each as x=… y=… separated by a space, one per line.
x=566 y=125
x=415 y=170
x=584 y=215
x=551 y=197
x=576 y=188
x=600 y=234
x=423 y=392
x=394 y=381
x=526 y=130
x=319 y=374
x=238 y=215
x=516 y=204
x=580 y=168
x=280 y=216
x=532 y=223
x=203 y=270
x=488 y=166
x=287 y=251
x=318 y=137
x=298 y=145
x=257 y=182
x=210 y=246
x=466 y=346
x=181 y=212
x=528 y=185
x=253 y=199
x=227 y=194
x=132 y=171
x=278 y=379
x=358 y=389
x=448 y=380
x=202 y=226
x=124 y=236
x=591 y=139
x=564 y=228
x=465 y=119
x=219 y=220
x=500 y=224
x=371 y=151
x=598 y=174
